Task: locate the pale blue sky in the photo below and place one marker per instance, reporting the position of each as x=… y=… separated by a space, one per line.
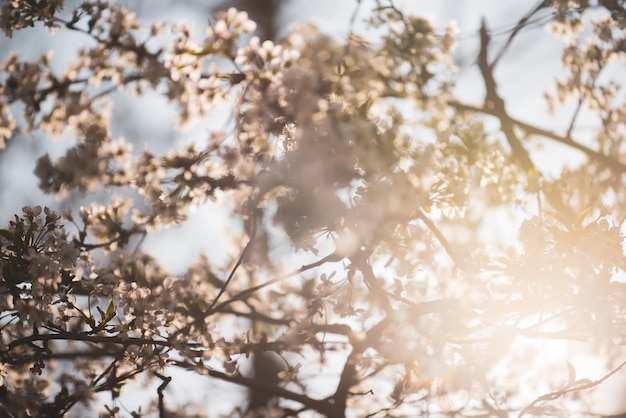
x=523 y=75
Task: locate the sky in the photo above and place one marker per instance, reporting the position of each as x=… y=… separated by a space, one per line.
x=521 y=80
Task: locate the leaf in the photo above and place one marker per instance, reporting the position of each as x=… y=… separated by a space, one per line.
x=581 y=216
x=109 y=314
x=62 y=395
x=559 y=217
x=102 y=314
x=6 y=234
x=111 y=311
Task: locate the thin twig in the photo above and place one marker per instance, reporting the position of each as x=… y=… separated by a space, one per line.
x=440 y=237
x=245 y=293
x=96 y=339
x=610 y=162
x=574 y=387
x=579 y=106
x=355 y=13
x=524 y=21
x=237 y=264
x=166 y=381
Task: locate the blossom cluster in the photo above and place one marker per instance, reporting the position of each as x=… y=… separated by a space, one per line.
x=356 y=155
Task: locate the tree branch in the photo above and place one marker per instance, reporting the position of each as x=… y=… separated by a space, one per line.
x=440 y=237
x=524 y=21
x=494 y=102
x=349 y=373
x=96 y=339
x=236 y=266
x=322 y=406
x=361 y=261
x=583 y=384
x=246 y=293
x=608 y=161
x=333 y=257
